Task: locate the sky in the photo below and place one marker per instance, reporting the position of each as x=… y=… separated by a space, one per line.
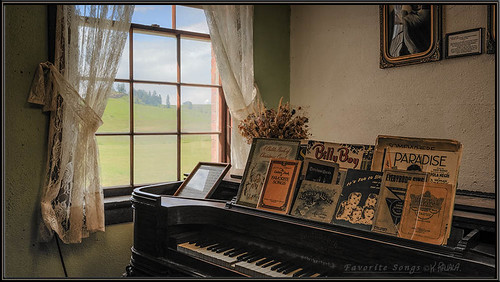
x=195 y=54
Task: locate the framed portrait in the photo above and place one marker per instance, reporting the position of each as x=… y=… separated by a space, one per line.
x=261 y=153
x=491 y=33
x=202 y=181
x=409 y=34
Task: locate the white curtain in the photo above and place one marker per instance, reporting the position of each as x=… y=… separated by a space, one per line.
x=89 y=43
x=231 y=33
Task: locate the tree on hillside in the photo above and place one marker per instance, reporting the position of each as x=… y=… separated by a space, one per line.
x=188 y=104
x=146 y=98
x=120 y=87
x=168 y=101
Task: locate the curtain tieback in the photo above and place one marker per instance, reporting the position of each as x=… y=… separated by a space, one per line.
x=48 y=83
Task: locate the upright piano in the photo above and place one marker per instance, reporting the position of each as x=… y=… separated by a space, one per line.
x=182 y=237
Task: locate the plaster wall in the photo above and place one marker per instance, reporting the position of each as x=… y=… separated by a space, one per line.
x=335 y=74
x=272 y=52
x=25 y=143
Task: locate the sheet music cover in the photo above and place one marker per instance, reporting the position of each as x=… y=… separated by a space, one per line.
x=391 y=199
x=439 y=157
x=427 y=212
x=354 y=156
x=279 y=186
x=356 y=207
x=318 y=192
x=261 y=152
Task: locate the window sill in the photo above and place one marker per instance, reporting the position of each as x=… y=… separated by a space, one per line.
x=118 y=209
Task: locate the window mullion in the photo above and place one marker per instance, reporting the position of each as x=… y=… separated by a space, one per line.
x=174 y=16
x=178 y=37
x=131 y=106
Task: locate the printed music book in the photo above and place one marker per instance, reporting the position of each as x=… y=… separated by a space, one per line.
x=261 y=152
x=391 y=199
x=439 y=157
x=354 y=156
x=318 y=193
x=357 y=204
x=319 y=171
x=279 y=185
x=427 y=212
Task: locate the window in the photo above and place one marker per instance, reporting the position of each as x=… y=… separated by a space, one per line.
x=166 y=111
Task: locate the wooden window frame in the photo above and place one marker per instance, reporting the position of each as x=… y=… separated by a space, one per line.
x=224 y=116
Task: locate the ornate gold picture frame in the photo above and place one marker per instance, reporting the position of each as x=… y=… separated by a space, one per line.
x=409 y=34
x=491 y=33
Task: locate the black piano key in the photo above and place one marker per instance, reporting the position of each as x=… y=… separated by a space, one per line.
x=206 y=243
x=274 y=267
x=231 y=251
x=259 y=263
x=214 y=247
x=245 y=256
x=308 y=273
x=198 y=242
x=236 y=253
x=224 y=249
x=291 y=268
x=255 y=258
x=269 y=263
x=299 y=273
x=252 y=256
x=283 y=266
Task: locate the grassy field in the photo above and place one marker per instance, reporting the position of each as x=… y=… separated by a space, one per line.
x=154 y=156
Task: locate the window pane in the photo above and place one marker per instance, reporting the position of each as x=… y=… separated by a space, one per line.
x=116 y=117
x=191 y=19
x=155 y=57
x=155 y=159
x=197 y=65
x=114 y=160
x=199 y=109
x=155 y=108
x=153 y=14
x=198 y=148
x=124 y=68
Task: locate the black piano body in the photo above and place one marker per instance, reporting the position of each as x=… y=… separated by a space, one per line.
x=163 y=222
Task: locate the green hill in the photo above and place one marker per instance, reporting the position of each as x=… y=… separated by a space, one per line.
x=155 y=156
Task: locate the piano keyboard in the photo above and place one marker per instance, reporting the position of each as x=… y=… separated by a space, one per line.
x=254 y=263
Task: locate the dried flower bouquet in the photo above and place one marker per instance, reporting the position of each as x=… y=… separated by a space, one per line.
x=286 y=123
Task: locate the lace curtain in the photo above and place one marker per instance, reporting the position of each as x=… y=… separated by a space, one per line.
x=231 y=32
x=89 y=43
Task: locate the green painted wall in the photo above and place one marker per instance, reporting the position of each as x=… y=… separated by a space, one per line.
x=25 y=132
x=272 y=52
x=26 y=129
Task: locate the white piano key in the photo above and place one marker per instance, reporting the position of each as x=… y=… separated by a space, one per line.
x=248 y=268
x=203 y=253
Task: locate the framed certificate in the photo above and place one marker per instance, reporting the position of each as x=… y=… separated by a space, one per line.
x=464 y=43
x=202 y=181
